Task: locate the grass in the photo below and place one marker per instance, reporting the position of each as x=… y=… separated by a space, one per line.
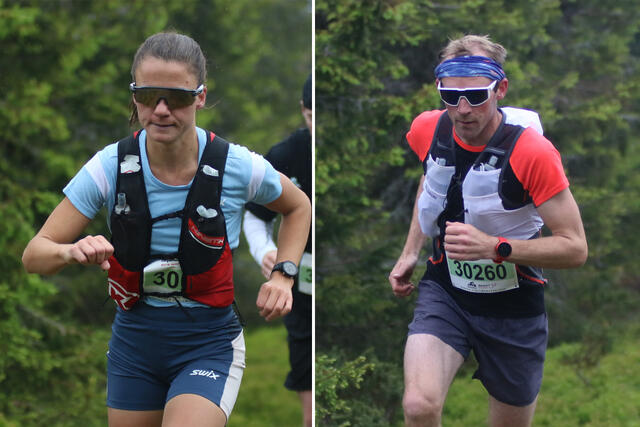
x=605 y=394
x=263 y=401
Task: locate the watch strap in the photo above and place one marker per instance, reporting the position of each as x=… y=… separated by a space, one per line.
x=282 y=268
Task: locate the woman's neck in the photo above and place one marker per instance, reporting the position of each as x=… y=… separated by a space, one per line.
x=176 y=162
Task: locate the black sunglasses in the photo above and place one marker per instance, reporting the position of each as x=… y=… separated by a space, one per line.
x=474 y=95
x=174 y=97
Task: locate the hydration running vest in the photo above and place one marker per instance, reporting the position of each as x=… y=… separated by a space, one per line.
x=484 y=203
x=202 y=268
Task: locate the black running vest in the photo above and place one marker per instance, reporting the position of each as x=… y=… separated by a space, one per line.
x=204 y=254
x=528 y=299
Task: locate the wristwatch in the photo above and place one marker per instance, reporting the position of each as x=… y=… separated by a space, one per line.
x=287 y=268
x=503 y=250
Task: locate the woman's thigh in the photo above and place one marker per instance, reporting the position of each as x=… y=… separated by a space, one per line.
x=192 y=410
x=123 y=418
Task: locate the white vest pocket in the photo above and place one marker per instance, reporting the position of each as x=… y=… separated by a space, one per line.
x=434 y=196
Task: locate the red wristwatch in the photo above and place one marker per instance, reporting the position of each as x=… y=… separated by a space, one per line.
x=503 y=250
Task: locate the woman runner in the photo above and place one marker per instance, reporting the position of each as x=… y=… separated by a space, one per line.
x=174 y=193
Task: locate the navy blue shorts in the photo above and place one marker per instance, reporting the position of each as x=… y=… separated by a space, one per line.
x=157 y=353
x=510 y=351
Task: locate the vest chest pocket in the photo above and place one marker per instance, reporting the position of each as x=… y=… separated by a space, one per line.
x=127 y=230
x=205 y=240
x=434 y=195
x=207 y=228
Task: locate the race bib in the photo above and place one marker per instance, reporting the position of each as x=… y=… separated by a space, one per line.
x=483 y=276
x=305 y=275
x=163 y=276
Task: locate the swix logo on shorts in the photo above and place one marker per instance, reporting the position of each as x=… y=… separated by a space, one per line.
x=202 y=373
x=208 y=241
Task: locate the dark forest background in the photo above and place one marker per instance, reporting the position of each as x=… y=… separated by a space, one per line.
x=64 y=76
x=574 y=62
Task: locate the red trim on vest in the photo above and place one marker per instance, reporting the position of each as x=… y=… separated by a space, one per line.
x=124 y=285
x=439 y=260
x=209 y=241
x=533 y=279
x=434 y=262
x=198 y=286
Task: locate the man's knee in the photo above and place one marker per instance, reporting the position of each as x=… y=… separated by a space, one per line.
x=422 y=409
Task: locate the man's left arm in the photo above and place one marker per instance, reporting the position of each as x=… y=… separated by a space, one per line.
x=565 y=248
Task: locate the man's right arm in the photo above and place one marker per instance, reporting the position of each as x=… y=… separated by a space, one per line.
x=400 y=276
x=419 y=139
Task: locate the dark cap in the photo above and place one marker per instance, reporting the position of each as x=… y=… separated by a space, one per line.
x=306 y=93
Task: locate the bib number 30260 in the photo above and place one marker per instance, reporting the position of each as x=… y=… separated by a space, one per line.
x=163 y=277
x=482 y=276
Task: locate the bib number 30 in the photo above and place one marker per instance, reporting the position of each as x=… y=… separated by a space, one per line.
x=162 y=276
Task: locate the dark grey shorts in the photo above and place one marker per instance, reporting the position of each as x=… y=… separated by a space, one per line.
x=510 y=351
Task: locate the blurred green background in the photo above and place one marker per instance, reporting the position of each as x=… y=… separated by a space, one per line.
x=64 y=75
x=577 y=63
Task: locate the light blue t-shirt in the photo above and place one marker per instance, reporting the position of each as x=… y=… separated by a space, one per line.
x=247 y=177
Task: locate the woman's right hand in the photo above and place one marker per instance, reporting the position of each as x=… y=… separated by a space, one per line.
x=89 y=250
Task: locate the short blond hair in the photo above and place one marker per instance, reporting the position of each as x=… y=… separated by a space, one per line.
x=470 y=45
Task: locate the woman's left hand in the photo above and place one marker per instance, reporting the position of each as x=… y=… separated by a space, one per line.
x=275 y=298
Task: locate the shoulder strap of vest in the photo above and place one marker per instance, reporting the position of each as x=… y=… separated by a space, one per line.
x=512 y=202
x=215 y=153
x=206 y=190
x=130 y=177
x=442 y=140
x=131 y=242
x=500 y=146
x=443 y=133
x=127 y=147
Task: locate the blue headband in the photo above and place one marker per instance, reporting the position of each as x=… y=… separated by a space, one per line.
x=470 y=66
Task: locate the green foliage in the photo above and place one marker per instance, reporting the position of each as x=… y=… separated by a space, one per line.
x=332 y=381
x=63 y=96
x=576 y=63
x=259 y=55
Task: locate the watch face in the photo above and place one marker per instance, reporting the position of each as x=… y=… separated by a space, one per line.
x=289 y=268
x=504 y=249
